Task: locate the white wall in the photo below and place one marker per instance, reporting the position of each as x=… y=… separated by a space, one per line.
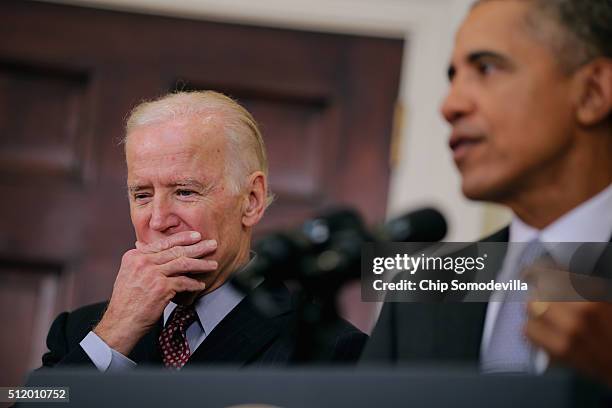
x=424 y=173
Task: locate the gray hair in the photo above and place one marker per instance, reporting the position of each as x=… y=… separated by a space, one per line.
x=247 y=151
x=586 y=28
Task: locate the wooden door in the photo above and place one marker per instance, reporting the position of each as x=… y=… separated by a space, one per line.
x=68 y=78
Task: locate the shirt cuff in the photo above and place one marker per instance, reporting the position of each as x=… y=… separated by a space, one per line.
x=104 y=358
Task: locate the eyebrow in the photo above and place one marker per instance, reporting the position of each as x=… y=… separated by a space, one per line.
x=136 y=188
x=178 y=183
x=476 y=56
x=188 y=183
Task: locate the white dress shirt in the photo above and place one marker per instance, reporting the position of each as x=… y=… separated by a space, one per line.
x=211 y=309
x=589 y=222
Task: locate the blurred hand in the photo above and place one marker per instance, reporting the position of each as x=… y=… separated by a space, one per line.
x=149 y=277
x=576 y=334
x=550 y=283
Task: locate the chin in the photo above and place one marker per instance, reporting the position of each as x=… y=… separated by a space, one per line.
x=483 y=190
x=472 y=193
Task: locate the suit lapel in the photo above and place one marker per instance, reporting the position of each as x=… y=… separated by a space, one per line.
x=458 y=330
x=245 y=332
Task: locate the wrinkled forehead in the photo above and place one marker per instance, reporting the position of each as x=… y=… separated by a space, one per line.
x=183 y=134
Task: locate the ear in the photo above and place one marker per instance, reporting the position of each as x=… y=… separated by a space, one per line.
x=255 y=199
x=595 y=100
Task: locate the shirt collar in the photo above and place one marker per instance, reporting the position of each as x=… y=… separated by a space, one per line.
x=591 y=221
x=214 y=306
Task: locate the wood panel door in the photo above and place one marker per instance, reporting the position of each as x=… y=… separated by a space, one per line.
x=68 y=77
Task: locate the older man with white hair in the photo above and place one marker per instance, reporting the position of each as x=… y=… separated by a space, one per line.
x=198 y=184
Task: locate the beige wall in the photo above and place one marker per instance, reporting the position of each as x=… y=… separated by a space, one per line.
x=423 y=173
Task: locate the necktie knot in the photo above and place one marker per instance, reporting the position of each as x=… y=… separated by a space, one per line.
x=183 y=317
x=173 y=339
x=533 y=252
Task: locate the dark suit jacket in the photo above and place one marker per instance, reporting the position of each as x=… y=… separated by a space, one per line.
x=433 y=332
x=243 y=337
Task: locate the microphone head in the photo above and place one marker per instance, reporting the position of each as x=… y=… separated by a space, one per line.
x=276 y=258
x=321 y=229
x=425 y=225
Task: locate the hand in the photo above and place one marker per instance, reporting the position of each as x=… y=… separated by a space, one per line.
x=550 y=283
x=577 y=334
x=149 y=277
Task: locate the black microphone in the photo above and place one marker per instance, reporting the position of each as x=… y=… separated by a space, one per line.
x=339 y=262
x=425 y=225
x=280 y=255
x=331 y=243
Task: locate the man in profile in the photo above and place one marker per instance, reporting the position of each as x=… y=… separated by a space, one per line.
x=198 y=184
x=530 y=106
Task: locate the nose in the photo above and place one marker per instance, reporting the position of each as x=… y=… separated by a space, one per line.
x=162 y=216
x=457 y=103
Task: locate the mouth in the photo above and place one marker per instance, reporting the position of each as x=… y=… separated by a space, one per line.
x=461 y=145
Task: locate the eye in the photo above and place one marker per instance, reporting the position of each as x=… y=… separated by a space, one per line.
x=141 y=197
x=486 y=67
x=185 y=193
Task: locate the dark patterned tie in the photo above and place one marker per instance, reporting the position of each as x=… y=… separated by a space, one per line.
x=173 y=341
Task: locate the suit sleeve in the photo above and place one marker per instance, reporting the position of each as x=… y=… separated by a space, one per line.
x=62 y=351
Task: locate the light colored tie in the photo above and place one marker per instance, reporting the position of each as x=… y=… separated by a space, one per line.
x=508 y=349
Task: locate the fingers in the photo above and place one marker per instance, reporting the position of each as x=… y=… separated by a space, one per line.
x=196 y=250
x=180 y=238
x=561 y=330
x=544 y=332
x=566 y=332
x=185 y=284
x=183 y=265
